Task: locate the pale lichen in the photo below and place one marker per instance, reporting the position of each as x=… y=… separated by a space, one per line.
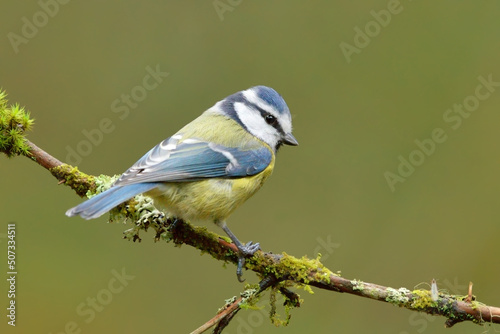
x=102 y=183
x=228 y=302
x=249 y=297
x=357 y=285
x=399 y=297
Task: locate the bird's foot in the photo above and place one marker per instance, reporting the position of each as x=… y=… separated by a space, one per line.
x=249 y=248
x=246 y=250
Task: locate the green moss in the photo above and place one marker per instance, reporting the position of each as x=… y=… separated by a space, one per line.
x=14 y=122
x=76 y=180
x=289 y=267
x=275 y=318
x=423 y=300
x=447 y=307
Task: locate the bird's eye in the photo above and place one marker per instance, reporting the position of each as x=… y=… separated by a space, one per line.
x=270 y=119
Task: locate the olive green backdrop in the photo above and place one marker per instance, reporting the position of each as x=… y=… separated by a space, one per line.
x=373 y=87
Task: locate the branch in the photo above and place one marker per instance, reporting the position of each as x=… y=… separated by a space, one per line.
x=313 y=273
x=278 y=271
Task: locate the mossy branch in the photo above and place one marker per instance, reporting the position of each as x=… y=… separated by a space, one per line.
x=277 y=271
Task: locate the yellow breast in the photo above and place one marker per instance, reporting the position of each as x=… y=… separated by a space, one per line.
x=212 y=199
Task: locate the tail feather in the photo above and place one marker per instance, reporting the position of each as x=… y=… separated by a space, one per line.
x=102 y=203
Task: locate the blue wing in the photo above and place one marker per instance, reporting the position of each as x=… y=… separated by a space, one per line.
x=174 y=160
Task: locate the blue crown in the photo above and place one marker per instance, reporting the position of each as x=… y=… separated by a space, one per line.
x=272 y=97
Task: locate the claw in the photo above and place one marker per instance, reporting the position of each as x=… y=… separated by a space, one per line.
x=248 y=249
x=239 y=269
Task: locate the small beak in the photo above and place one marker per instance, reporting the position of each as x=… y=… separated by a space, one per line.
x=289 y=139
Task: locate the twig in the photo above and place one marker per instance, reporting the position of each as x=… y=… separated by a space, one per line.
x=41 y=157
x=225 y=315
x=229 y=309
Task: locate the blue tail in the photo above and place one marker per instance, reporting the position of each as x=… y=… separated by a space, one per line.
x=102 y=203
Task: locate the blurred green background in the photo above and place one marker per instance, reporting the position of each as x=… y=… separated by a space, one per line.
x=359 y=101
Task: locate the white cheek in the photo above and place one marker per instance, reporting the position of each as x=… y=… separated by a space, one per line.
x=256 y=124
x=250 y=117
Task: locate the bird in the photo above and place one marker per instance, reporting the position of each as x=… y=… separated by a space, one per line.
x=210 y=166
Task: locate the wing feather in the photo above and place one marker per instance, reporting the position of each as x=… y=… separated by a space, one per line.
x=174 y=160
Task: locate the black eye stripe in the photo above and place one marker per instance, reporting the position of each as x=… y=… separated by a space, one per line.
x=275 y=124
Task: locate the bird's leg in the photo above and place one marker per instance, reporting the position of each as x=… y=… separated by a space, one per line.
x=244 y=250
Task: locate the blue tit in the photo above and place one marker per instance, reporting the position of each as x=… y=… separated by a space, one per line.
x=209 y=167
